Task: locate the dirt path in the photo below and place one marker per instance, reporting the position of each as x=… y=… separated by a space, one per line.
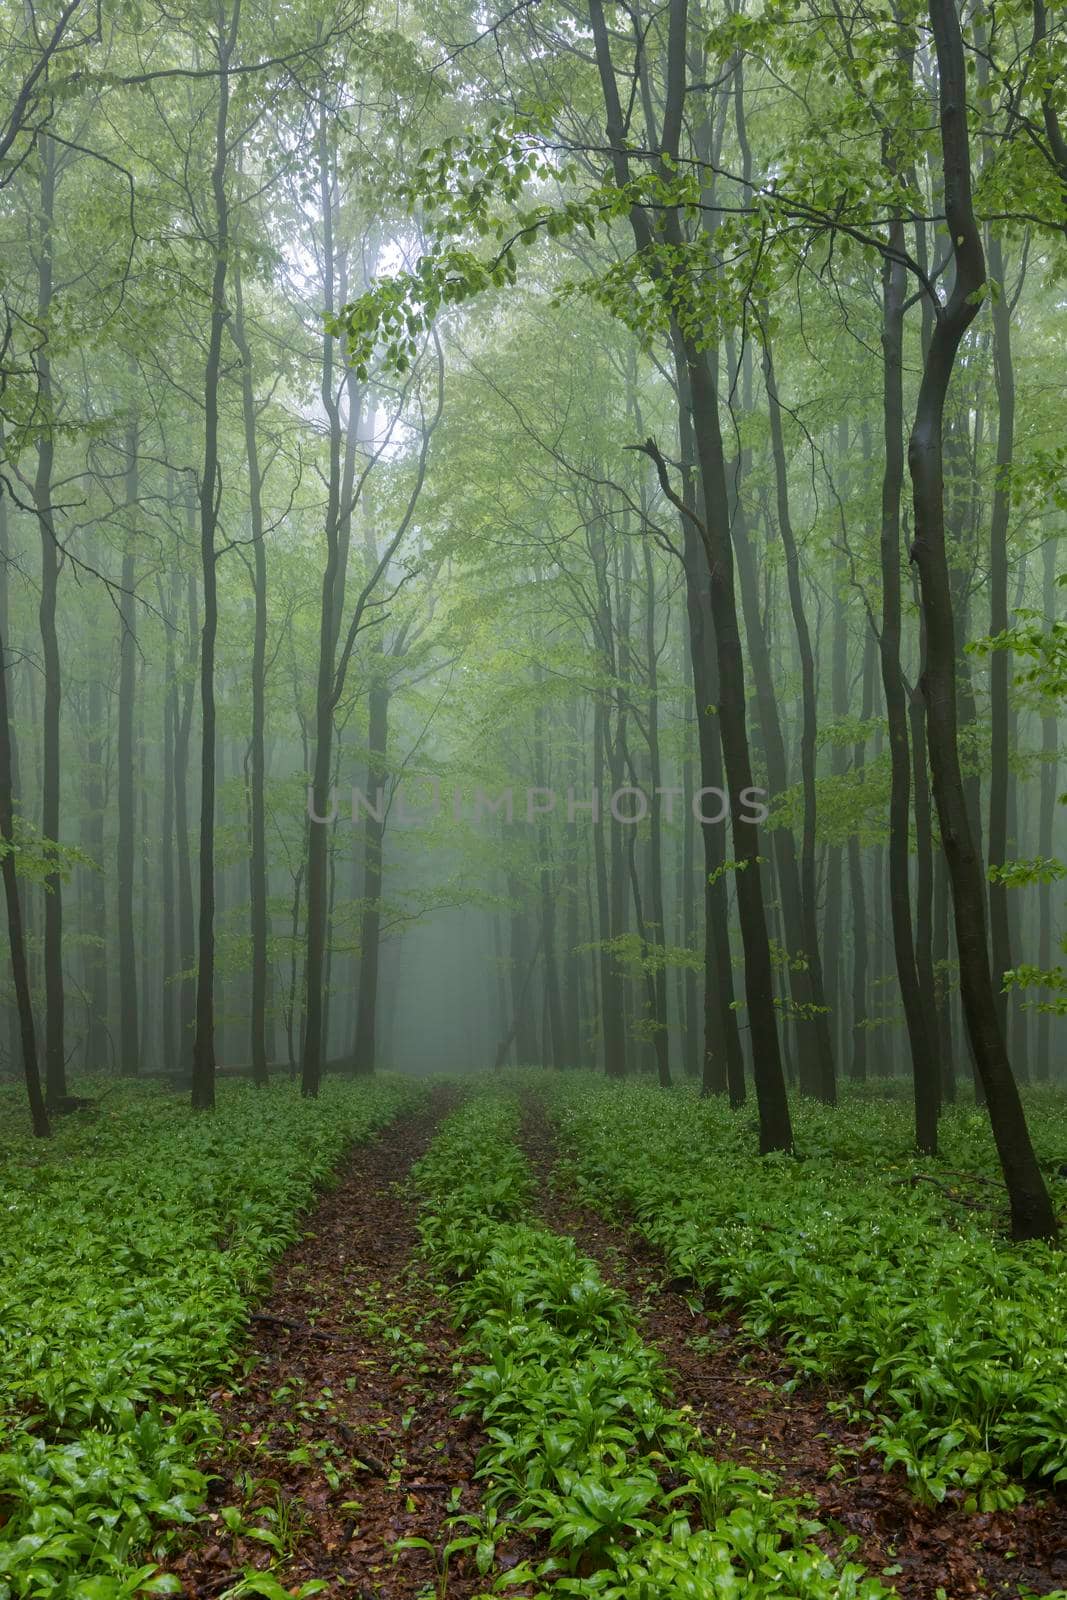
x=340 y=1440
x=735 y=1390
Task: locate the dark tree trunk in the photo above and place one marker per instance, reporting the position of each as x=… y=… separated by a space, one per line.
x=916 y=1018
x=1031 y=1212
x=1046 y=817
x=54 y=1037
x=16 y=941
x=659 y=929
x=723 y=1067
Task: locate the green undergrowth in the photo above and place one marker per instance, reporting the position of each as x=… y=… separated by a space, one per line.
x=130 y=1246
x=584 y=1447
x=900 y=1286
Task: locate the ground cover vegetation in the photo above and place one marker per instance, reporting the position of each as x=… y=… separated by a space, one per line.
x=868 y=1266
x=114 y=1327
x=584 y=1444
x=172 y=1423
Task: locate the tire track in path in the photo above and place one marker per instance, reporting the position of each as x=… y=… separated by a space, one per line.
x=339 y=1439
x=735 y=1390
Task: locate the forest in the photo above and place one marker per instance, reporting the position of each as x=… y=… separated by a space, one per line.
x=532 y=663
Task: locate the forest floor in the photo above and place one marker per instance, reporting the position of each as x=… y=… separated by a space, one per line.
x=739 y=1399
x=340 y=1443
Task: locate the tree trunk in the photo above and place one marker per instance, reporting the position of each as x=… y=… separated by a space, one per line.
x=1046 y=818
x=659 y=928
x=364 y=1049
x=168 y=1011
x=1000 y=660
x=54 y=1045
x=186 y=914
x=1031 y=1211
x=126 y=852
x=818 y=1024
x=858 y=889
x=16 y=942
x=257 y=807
x=203 y=1097
x=723 y=1066
x=916 y=1018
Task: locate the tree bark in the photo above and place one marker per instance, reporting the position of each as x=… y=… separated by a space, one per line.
x=203 y=1095
x=1031 y=1211
x=16 y=941
x=54 y=1036
x=1046 y=818
x=916 y=1017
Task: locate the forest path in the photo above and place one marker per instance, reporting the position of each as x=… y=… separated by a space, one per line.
x=735 y=1390
x=340 y=1440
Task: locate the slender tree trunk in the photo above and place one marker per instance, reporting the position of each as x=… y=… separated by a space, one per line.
x=611 y=1004
x=126 y=852
x=1000 y=660
x=373 y=845
x=723 y=1067
x=342 y=437
x=659 y=927
x=1046 y=817
x=916 y=1018
x=822 y=1048
x=783 y=844
x=167 y=992
x=553 y=1006
x=186 y=914
x=858 y=889
x=835 y=989
x=16 y=942
x=96 y=1037
x=943 y=988
x=687 y=902
x=257 y=800
x=203 y=1097
x=1031 y=1211
x=572 y=1000
x=54 y=1038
